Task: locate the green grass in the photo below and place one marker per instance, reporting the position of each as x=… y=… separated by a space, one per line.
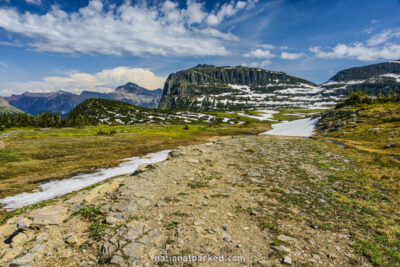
x=330 y=189
x=96 y=230
x=197 y=184
x=360 y=134
x=33 y=155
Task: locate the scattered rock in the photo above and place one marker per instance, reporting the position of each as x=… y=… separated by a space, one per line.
x=117 y=260
x=281 y=248
x=198 y=221
x=287 y=260
x=133 y=250
x=107 y=249
x=113 y=220
x=24 y=223
x=227 y=238
x=71 y=238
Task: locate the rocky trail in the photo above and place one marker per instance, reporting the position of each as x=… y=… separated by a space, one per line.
x=256 y=201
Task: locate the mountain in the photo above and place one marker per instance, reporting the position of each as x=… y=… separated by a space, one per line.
x=5 y=107
x=63 y=102
x=373 y=79
x=207 y=87
x=106 y=111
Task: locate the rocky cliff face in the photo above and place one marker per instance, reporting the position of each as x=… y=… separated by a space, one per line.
x=207 y=87
x=373 y=79
x=5 y=107
x=63 y=102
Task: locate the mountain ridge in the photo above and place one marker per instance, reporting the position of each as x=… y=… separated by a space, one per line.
x=209 y=87
x=373 y=79
x=62 y=101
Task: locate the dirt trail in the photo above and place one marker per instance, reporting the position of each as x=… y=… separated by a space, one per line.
x=221 y=199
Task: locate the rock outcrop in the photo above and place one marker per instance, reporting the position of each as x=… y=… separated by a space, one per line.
x=375 y=79
x=207 y=87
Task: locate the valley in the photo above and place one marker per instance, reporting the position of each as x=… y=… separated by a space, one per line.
x=288 y=173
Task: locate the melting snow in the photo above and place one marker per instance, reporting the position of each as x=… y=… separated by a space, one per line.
x=303 y=128
x=392 y=75
x=56 y=188
x=263 y=115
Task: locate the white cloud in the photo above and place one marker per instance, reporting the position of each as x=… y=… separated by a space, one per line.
x=259 y=53
x=3 y=64
x=34 y=2
x=383 y=37
x=260 y=64
x=104 y=81
x=137 y=29
x=286 y=55
x=226 y=10
x=384 y=45
x=267 y=46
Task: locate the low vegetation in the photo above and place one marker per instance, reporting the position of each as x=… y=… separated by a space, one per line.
x=369 y=124
x=32 y=155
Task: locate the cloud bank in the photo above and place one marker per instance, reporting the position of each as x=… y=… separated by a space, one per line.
x=136 y=29
x=104 y=81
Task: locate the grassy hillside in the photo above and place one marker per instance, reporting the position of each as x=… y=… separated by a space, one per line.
x=367 y=124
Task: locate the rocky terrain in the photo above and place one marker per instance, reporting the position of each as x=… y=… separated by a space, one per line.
x=271 y=200
x=7 y=108
x=382 y=78
x=207 y=87
x=63 y=102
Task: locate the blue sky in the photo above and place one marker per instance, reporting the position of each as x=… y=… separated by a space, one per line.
x=48 y=45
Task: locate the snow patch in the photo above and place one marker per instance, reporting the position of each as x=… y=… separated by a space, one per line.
x=57 y=188
x=303 y=128
x=392 y=75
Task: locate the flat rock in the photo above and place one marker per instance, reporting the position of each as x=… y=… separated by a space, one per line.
x=24 y=260
x=50 y=215
x=281 y=248
x=117 y=261
x=285 y=238
x=133 y=249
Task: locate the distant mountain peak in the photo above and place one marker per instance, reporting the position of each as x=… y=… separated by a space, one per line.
x=63 y=101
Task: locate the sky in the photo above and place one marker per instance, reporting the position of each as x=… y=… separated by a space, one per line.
x=97 y=45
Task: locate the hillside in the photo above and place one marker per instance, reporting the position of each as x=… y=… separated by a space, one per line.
x=5 y=107
x=63 y=102
x=373 y=127
x=207 y=87
x=108 y=111
x=373 y=79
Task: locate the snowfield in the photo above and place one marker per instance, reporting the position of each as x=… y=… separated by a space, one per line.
x=303 y=128
x=57 y=188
